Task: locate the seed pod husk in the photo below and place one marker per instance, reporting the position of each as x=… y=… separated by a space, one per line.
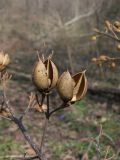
x=80 y=87
x=4 y=60
x=40 y=77
x=52 y=73
x=65 y=86
x=116 y=26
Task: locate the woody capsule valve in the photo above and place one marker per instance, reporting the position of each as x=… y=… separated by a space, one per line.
x=4 y=61
x=80 y=87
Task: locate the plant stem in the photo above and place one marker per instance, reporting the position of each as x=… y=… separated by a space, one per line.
x=108 y=35
x=59 y=108
x=43 y=135
x=45 y=124
x=23 y=130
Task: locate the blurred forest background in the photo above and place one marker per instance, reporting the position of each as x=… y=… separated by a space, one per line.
x=66 y=27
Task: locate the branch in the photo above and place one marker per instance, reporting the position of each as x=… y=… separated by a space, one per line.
x=23 y=130
x=59 y=108
x=107 y=35
x=92 y=11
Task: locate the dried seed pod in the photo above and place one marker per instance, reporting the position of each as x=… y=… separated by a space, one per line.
x=113 y=65
x=80 y=87
x=103 y=58
x=94 y=38
x=52 y=73
x=4 y=60
x=45 y=75
x=116 y=26
x=118 y=46
x=4 y=112
x=108 y=25
x=94 y=60
x=40 y=77
x=65 y=86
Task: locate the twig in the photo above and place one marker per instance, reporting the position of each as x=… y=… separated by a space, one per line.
x=59 y=108
x=23 y=130
x=46 y=122
x=18 y=157
x=107 y=35
x=43 y=135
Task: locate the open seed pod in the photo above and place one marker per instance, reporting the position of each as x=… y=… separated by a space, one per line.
x=40 y=77
x=52 y=73
x=116 y=26
x=80 y=87
x=45 y=75
x=65 y=86
x=4 y=60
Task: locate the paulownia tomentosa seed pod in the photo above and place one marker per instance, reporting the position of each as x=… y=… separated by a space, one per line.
x=65 y=86
x=45 y=75
x=72 y=88
x=116 y=26
x=4 y=61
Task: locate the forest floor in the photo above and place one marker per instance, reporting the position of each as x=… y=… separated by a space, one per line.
x=71 y=134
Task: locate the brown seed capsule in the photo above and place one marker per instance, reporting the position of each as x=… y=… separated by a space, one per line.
x=103 y=58
x=94 y=60
x=118 y=46
x=80 y=87
x=40 y=77
x=65 y=86
x=4 y=112
x=116 y=26
x=45 y=75
x=4 y=60
x=108 y=25
x=113 y=65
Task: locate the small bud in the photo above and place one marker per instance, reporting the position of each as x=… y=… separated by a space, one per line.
x=93 y=38
x=113 y=65
x=4 y=61
x=94 y=60
x=103 y=58
x=118 y=47
x=65 y=86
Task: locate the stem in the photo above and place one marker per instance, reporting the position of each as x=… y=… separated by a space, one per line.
x=30 y=158
x=44 y=131
x=45 y=124
x=108 y=35
x=23 y=130
x=59 y=108
x=42 y=100
x=48 y=107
